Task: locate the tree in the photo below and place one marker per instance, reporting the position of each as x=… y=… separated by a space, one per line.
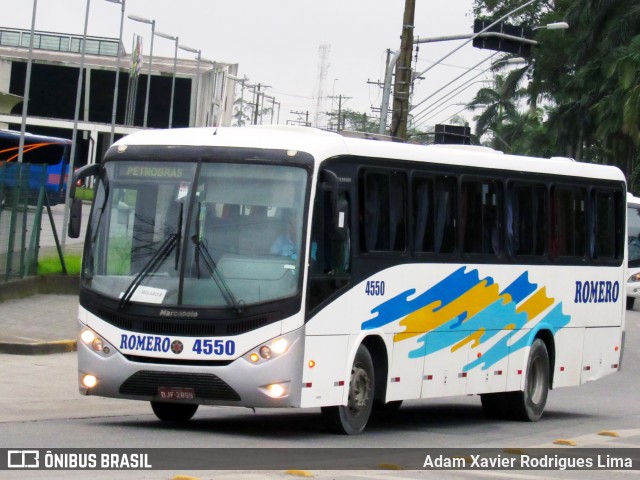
x=587 y=78
x=500 y=107
x=359 y=122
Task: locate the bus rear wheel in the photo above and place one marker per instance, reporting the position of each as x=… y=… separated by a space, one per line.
x=351 y=419
x=174 y=412
x=529 y=404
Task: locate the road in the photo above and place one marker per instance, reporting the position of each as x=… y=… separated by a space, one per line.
x=42 y=409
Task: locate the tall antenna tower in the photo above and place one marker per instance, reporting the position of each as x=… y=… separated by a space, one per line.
x=323 y=67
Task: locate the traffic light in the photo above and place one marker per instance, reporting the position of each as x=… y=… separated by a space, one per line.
x=503 y=38
x=452 y=135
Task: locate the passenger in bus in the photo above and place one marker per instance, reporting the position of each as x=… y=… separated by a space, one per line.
x=285 y=244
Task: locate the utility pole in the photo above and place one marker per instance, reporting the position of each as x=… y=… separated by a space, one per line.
x=256 y=98
x=340 y=116
x=306 y=114
x=402 y=86
x=258 y=102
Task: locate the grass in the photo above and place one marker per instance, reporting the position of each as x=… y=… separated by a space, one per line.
x=51 y=265
x=84 y=193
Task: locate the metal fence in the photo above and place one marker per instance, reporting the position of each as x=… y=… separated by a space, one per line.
x=22 y=202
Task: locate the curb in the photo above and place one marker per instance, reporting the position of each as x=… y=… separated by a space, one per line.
x=39 y=348
x=48 y=284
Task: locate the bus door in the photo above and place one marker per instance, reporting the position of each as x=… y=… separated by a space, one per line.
x=330 y=251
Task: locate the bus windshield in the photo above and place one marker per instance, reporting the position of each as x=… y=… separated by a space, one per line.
x=222 y=236
x=633 y=226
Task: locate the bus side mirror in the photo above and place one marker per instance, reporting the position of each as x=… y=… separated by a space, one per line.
x=81 y=174
x=75 y=218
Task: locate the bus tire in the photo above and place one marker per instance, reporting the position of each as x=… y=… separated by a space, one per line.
x=174 y=412
x=630 y=302
x=496 y=405
x=529 y=404
x=351 y=419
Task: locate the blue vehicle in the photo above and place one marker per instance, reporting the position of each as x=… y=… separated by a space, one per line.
x=48 y=156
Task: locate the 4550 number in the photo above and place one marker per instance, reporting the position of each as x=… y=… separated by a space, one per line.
x=374 y=288
x=214 y=347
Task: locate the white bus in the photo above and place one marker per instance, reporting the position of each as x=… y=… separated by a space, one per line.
x=633 y=238
x=293 y=267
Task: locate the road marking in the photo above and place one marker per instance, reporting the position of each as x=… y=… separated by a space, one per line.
x=594 y=439
x=299 y=473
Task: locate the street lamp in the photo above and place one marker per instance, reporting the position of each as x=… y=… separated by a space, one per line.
x=74 y=136
x=173 y=79
x=401 y=107
x=197 y=83
x=553 y=26
x=115 y=90
x=209 y=96
x=27 y=84
x=136 y=18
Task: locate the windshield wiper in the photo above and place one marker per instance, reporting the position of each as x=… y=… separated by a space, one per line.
x=155 y=261
x=201 y=249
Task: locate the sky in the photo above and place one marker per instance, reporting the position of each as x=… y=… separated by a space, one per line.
x=277 y=43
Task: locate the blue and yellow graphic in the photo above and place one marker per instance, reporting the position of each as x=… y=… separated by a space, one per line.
x=471 y=311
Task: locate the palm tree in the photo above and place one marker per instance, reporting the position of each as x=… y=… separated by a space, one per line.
x=500 y=105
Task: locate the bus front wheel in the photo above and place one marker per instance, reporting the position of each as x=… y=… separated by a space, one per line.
x=529 y=404
x=351 y=419
x=174 y=412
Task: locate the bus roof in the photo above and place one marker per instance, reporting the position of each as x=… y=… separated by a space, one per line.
x=323 y=145
x=30 y=138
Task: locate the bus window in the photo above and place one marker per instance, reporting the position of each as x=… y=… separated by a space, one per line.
x=569 y=222
x=605 y=224
x=481 y=204
x=526 y=220
x=329 y=256
x=434 y=213
x=384 y=200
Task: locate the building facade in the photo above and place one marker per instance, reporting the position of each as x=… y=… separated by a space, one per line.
x=203 y=93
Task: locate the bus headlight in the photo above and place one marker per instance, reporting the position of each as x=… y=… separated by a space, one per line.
x=95 y=342
x=87 y=336
x=634 y=278
x=269 y=350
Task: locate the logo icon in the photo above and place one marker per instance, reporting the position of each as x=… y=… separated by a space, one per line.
x=177 y=347
x=23 y=459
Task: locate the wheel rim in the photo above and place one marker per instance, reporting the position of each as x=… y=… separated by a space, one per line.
x=360 y=387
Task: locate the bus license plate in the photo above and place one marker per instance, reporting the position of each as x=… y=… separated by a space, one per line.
x=176 y=393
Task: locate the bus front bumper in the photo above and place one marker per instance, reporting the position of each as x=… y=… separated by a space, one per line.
x=272 y=383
